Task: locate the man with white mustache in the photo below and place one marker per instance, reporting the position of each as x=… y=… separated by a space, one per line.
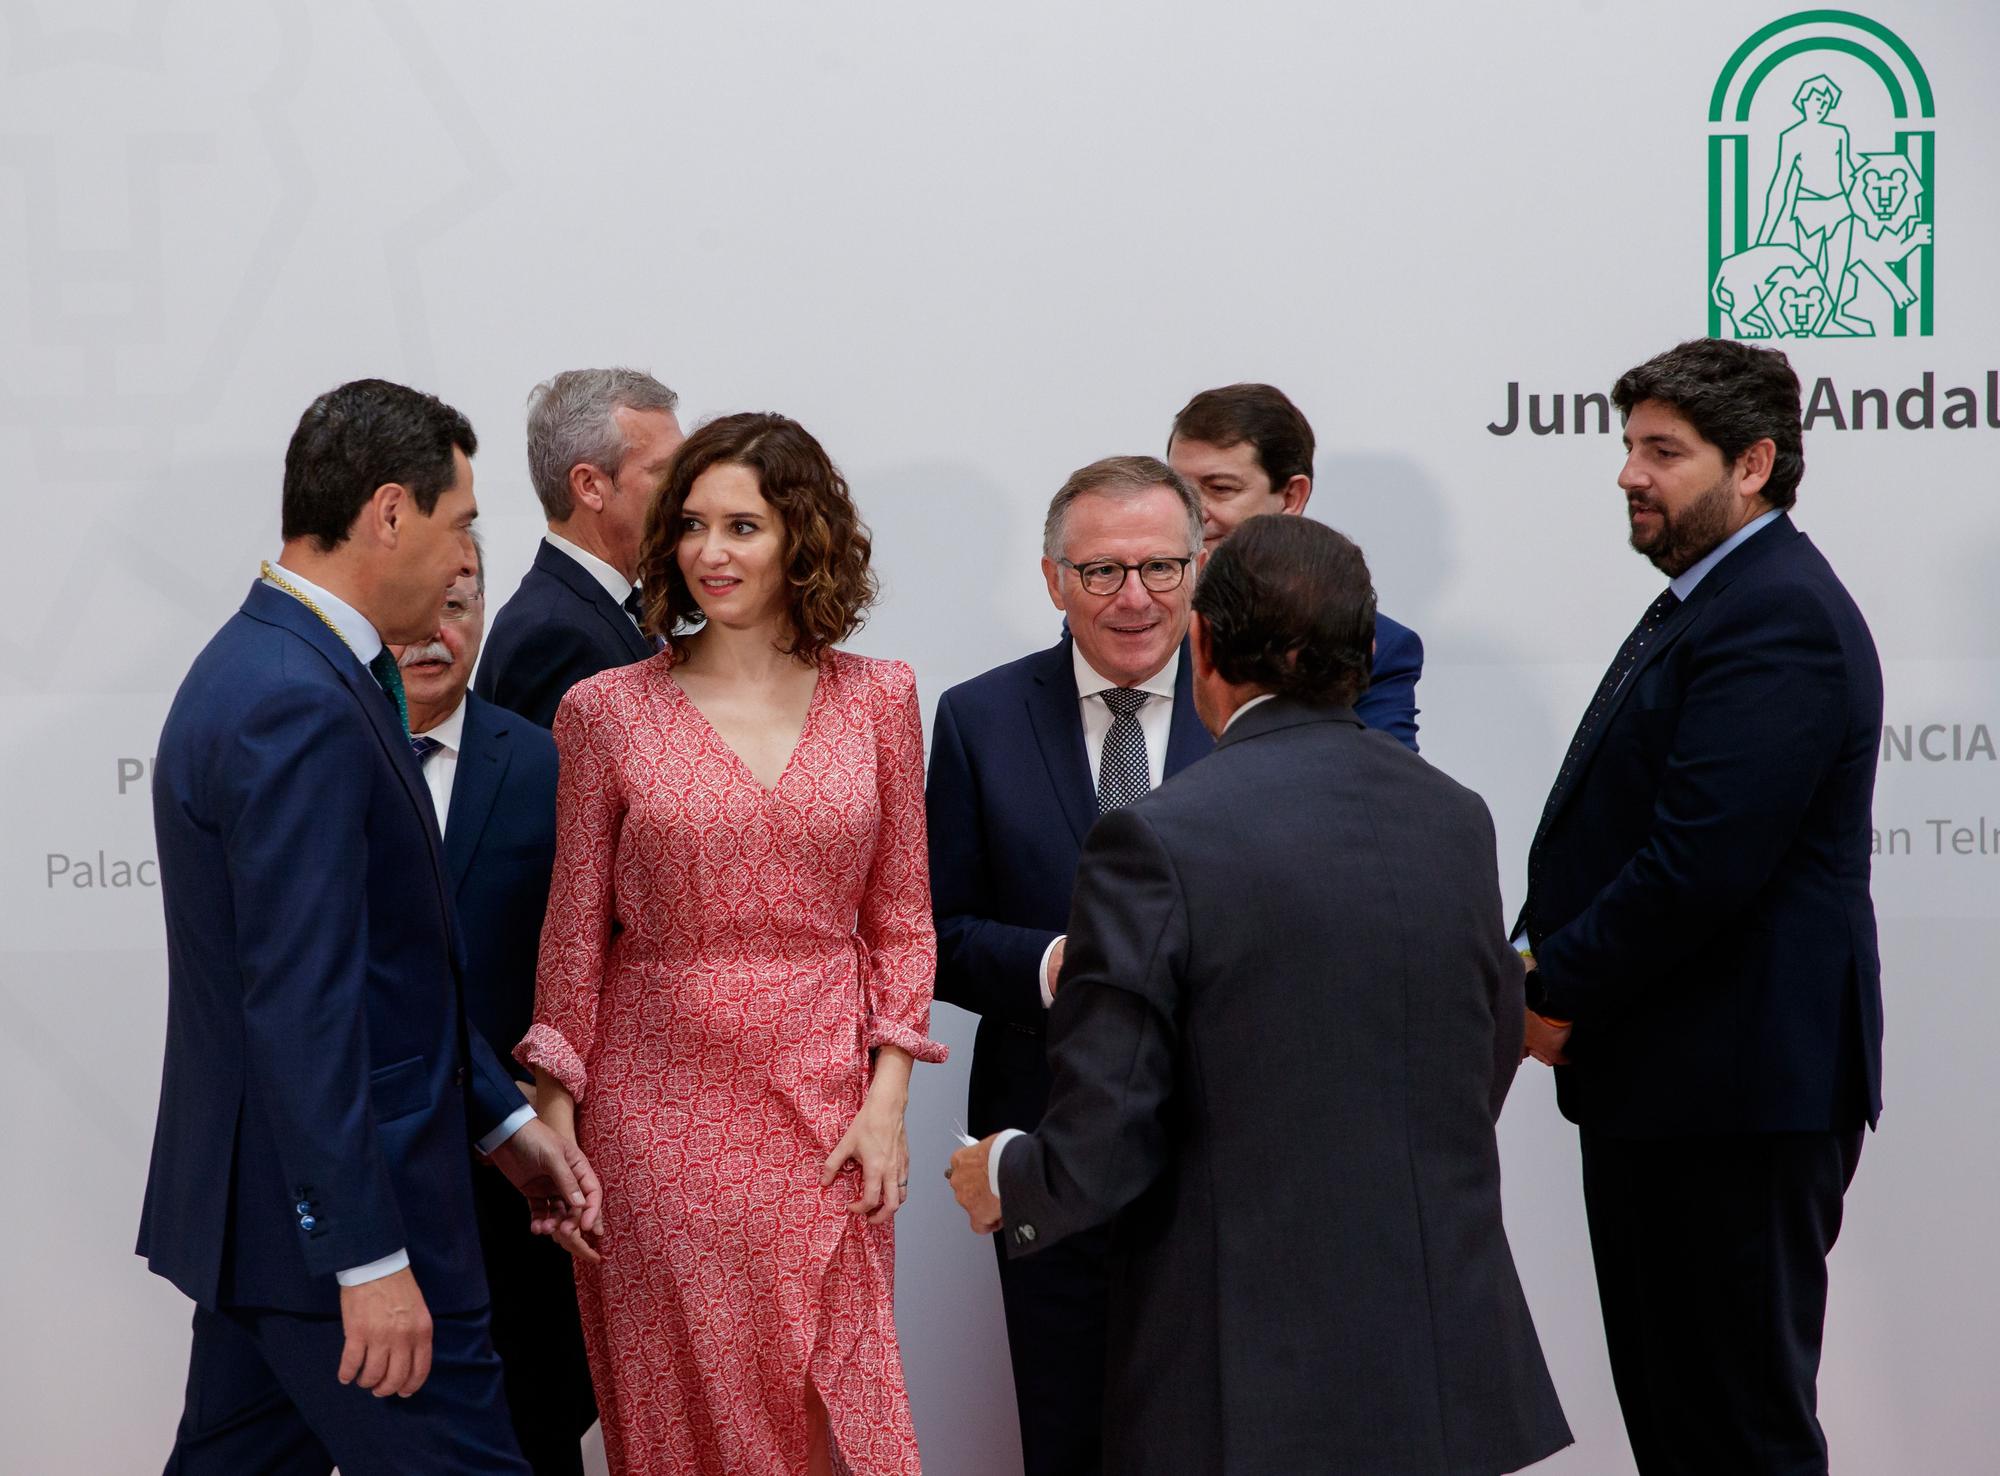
x=492 y=777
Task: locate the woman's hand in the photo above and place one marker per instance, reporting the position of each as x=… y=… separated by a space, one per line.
x=556 y=1108
x=875 y=1141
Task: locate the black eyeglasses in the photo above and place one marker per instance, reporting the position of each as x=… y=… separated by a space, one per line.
x=1106 y=576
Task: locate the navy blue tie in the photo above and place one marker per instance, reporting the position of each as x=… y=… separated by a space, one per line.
x=1614 y=678
x=1123 y=774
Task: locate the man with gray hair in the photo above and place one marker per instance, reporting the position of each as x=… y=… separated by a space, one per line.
x=1023 y=761
x=600 y=444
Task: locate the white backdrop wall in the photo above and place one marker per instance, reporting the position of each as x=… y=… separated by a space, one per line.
x=971 y=250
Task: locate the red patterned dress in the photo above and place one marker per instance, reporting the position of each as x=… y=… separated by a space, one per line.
x=717 y=961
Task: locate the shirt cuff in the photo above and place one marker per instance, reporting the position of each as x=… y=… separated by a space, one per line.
x=1042 y=971
x=1000 y=1141
x=516 y=1120
x=375 y=1270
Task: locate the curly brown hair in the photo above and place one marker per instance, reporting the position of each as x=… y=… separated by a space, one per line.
x=827 y=580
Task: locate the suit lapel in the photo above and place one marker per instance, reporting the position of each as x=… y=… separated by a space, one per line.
x=1740 y=559
x=275 y=607
x=1058 y=725
x=1187 y=739
x=578 y=581
x=483 y=755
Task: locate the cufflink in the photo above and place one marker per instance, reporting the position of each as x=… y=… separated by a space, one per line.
x=1025 y=1234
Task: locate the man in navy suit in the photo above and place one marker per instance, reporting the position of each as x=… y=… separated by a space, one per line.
x=1023 y=760
x=492 y=781
x=600 y=444
x=1705 y=974
x=1248 y=450
x=311 y=1183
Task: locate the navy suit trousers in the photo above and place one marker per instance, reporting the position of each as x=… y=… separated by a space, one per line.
x=263 y=1396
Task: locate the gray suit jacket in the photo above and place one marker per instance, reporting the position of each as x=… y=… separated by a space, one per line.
x=1287 y=1019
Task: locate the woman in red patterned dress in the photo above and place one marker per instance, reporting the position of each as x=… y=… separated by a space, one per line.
x=735 y=978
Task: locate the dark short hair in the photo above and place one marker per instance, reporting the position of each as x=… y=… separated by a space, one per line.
x=362 y=436
x=1261 y=414
x=1734 y=395
x=1290 y=608
x=828 y=584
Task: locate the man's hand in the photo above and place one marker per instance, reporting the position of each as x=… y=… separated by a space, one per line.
x=388 y=1331
x=1546 y=1039
x=969 y=1182
x=564 y=1198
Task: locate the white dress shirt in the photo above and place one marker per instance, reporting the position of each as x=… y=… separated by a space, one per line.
x=1156 y=720
x=361 y=638
x=1683 y=583
x=614 y=584
x=441 y=766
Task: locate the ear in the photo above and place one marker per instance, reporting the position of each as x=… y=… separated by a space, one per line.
x=587 y=486
x=1753 y=467
x=1052 y=572
x=381 y=518
x=1201 y=646
x=1296 y=492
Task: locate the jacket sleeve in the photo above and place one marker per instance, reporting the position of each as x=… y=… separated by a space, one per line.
x=298 y=871
x=1390 y=703
x=894 y=918
x=984 y=966
x=1758 y=729
x=576 y=928
x=1114 y=1032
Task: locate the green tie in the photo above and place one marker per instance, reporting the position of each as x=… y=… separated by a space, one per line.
x=386 y=672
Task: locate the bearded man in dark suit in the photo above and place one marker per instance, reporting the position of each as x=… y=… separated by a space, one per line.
x=1706 y=981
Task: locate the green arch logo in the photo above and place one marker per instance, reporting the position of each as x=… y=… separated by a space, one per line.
x=1811 y=233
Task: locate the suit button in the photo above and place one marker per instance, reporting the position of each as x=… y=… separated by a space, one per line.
x=306 y=1223
x=303 y=1208
x=1026 y=1234
x=458 y=1076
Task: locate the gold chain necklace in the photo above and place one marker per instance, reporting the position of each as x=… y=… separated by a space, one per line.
x=394 y=689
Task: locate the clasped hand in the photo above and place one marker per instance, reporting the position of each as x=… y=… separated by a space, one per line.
x=565 y=1200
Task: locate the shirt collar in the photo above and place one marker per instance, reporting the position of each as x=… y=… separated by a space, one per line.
x=1683 y=583
x=450 y=729
x=1259 y=700
x=347 y=622
x=1089 y=683
x=615 y=584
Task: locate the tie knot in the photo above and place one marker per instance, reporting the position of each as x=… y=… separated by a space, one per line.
x=1661 y=608
x=634 y=605
x=423 y=746
x=1124 y=701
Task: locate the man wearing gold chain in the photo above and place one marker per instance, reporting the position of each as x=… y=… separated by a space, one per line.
x=310 y=1185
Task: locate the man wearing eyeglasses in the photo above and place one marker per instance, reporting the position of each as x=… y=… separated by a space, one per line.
x=492 y=778
x=1023 y=761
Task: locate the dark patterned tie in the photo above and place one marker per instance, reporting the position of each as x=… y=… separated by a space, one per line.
x=423 y=747
x=1614 y=678
x=385 y=671
x=1122 y=772
x=635 y=607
